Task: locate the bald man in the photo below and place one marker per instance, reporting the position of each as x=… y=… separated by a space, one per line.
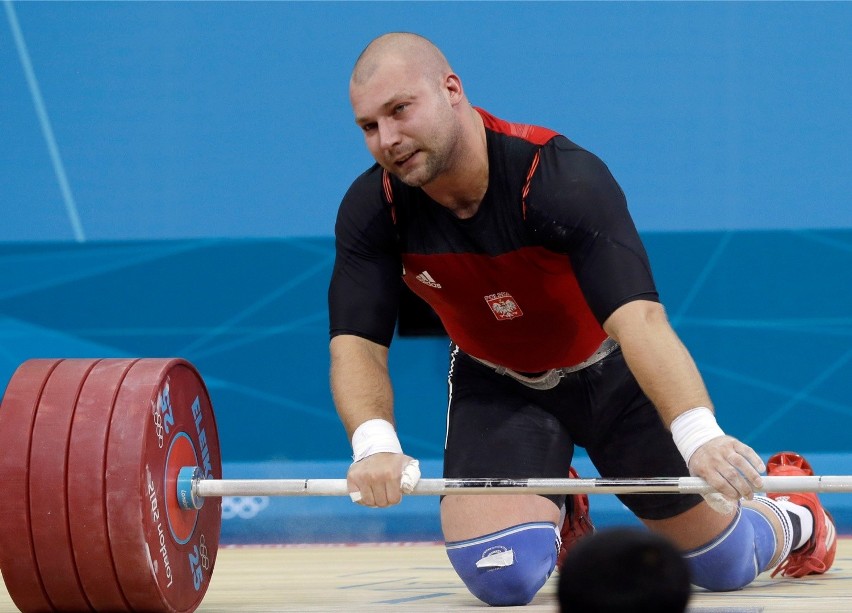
x=522 y=243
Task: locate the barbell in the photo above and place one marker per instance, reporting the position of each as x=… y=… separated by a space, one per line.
x=112 y=480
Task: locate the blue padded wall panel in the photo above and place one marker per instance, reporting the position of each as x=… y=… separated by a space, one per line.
x=767 y=316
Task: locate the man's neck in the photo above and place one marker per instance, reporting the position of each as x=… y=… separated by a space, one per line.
x=462 y=188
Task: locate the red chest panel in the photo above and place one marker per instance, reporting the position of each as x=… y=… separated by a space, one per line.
x=522 y=309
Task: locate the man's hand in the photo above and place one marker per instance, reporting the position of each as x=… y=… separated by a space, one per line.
x=729 y=466
x=380 y=480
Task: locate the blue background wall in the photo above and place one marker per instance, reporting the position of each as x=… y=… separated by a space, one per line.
x=198 y=119
x=170 y=173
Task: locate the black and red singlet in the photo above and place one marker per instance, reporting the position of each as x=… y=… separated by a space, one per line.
x=525 y=283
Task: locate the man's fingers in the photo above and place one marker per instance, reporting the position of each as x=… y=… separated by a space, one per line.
x=410 y=476
x=748 y=470
x=363 y=496
x=738 y=483
x=730 y=466
x=366 y=498
x=381 y=479
x=390 y=494
x=755 y=460
x=750 y=456
x=724 y=485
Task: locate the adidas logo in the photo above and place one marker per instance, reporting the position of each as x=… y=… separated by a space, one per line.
x=425 y=277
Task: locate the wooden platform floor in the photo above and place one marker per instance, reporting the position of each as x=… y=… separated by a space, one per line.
x=418 y=579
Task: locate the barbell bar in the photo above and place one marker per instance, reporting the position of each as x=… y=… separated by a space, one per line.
x=193 y=488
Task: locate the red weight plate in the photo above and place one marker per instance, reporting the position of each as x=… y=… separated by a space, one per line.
x=48 y=473
x=164 y=555
x=17 y=414
x=87 y=515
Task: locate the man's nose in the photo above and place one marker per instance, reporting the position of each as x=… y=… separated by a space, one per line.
x=389 y=135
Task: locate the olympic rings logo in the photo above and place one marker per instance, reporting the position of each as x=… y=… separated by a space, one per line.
x=243 y=507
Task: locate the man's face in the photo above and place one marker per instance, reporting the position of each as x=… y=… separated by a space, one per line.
x=408 y=123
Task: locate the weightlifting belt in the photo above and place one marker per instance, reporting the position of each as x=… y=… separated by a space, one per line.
x=550 y=378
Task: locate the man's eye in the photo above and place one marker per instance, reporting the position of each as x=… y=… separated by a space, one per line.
x=368 y=127
x=400 y=107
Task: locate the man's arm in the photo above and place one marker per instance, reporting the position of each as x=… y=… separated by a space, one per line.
x=360 y=383
x=669 y=377
x=361 y=387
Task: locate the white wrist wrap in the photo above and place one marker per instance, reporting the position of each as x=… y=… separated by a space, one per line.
x=374 y=436
x=692 y=429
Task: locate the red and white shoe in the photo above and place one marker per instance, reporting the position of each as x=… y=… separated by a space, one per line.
x=817 y=555
x=577 y=522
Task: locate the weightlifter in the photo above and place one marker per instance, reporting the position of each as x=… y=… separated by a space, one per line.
x=522 y=243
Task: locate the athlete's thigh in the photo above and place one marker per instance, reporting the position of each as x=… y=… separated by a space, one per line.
x=496 y=429
x=631 y=441
x=692 y=528
x=466 y=517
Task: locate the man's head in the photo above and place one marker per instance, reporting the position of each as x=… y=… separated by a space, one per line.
x=407 y=100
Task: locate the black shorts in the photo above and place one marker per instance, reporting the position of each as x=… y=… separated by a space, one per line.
x=498 y=427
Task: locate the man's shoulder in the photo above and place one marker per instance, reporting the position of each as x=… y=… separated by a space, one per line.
x=363 y=212
x=536 y=135
x=572 y=159
x=527 y=139
x=366 y=186
x=369 y=178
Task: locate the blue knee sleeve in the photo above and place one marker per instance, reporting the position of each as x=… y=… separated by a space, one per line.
x=507 y=568
x=737 y=556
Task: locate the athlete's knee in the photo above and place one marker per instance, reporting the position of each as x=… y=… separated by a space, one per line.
x=509 y=567
x=737 y=556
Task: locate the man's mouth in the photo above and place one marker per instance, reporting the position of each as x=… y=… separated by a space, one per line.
x=402 y=160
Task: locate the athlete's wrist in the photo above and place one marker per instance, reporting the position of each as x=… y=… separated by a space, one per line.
x=374 y=436
x=691 y=429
